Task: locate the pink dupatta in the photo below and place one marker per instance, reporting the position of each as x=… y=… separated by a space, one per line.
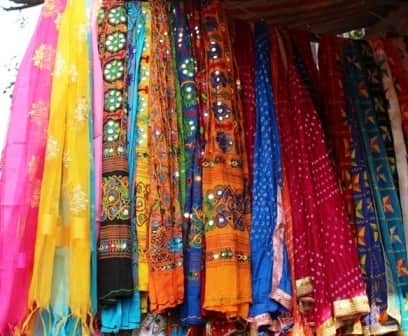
x=22 y=167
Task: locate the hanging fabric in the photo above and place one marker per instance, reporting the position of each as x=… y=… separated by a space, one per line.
x=387 y=58
x=125 y=314
x=60 y=285
x=300 y=327
x=165 y=252
x=22 y=167
x=352 y=174
x=142 y=176
x=96 y=163
x=376 y=90
x=225 y=176
x=271 y=285
x=243 y=45
x=115 y=246
x=399 y=67
x=192 y=205
x=314 y=197
x=384 y=193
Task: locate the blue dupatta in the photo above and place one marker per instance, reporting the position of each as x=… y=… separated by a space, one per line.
x=268 y=248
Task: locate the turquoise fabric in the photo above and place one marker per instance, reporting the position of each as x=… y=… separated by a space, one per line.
x=380 y=175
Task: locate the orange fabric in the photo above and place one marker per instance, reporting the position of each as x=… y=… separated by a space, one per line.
x=165 y=253
x=226 y=201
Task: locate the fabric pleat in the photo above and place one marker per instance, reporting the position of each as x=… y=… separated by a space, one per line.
x=352 y=174
x=313 y=191
x=271 y=283
x=226 y=201
x=243 y=45
x=380 y=175
x=165 y=249
x=125 y=314
x=193 y=222
x=114 y=246
x=59 y=294
x=22 y=167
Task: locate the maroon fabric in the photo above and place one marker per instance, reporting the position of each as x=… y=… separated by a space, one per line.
x=245 y=57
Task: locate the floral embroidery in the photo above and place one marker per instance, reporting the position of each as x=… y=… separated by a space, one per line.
x=59 y=65
x=73 y=73
x=116 y=41
x=44 y=57
x=39 y=112
x=111 y=131
x=52 y=148
x=66 y=159
x=101 y=15
x=113 y=100
x=117 y=15
x=175 y=244
x=218 y=79
x=224 y=140
x=188 y=67
x=226 y=207
x=81 y=110
x=221 y=110
x=79 y=200
x=116 y=202
x=82 y=32
x=113 y=70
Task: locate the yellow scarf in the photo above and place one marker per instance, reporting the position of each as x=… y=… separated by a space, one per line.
x=63 y=233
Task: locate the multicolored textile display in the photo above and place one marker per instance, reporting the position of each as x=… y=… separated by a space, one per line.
x=171 y=170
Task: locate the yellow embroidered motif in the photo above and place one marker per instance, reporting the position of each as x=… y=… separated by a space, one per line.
x=81 y=110
x=73 y=73
x=44 y=57
x=59 y=65
x=66 y=159
x=52 y=148
x=82 y=31
x=79 y=200
x=38 y=112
